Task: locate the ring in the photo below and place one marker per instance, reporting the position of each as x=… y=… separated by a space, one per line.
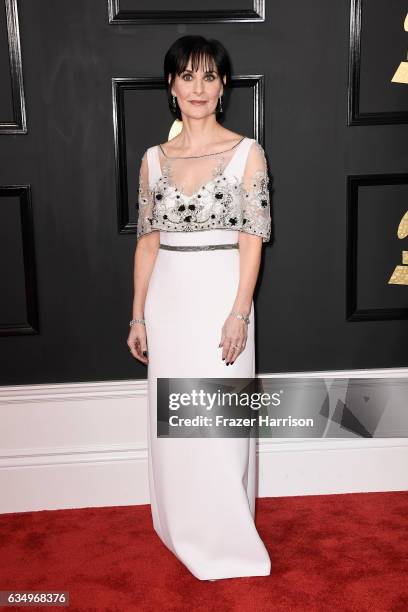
x=236 y=346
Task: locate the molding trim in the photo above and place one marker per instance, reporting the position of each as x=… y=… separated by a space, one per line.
x=353 y=312
x=117 y=16
x=354 y=115
x=19 y=125
x=50 y=456
x=132 y=388
x=31 y=457
x=31 y=326
x=26 y=394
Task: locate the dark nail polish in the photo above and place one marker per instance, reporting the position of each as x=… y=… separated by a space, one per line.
x=232 y=362
x=227 y=362
x=223 y=358
x=145 y=353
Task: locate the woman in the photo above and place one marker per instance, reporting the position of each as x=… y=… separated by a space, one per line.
x=203 y=215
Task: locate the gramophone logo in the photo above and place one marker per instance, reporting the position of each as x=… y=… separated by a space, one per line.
x=401 y=74
x=400 y=274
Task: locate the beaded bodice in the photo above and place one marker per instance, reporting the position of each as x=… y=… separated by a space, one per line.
x=226 y=190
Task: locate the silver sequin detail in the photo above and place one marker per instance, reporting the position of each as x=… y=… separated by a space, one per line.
x=201 y=247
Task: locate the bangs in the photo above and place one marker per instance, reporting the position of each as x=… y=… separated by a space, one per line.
x=199 y=56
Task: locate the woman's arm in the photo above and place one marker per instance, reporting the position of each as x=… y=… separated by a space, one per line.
x=145 y=256
x=147 y=247
x=256 y=229
x=250 y=250
x=234 y=332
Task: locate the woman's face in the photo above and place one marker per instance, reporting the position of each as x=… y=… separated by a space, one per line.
x=197 y=92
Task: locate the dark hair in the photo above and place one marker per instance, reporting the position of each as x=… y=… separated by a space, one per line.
x=209 y=51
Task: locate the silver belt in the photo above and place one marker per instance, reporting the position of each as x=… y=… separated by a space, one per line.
x=200 y=247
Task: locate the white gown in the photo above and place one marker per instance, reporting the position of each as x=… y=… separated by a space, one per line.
x=202 y=490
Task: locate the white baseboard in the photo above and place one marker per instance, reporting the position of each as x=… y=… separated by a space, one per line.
x=84 y=445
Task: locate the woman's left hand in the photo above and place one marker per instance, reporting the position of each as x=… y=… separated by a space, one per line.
x=233 y=338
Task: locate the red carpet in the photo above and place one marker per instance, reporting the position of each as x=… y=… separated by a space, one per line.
x=347 y=552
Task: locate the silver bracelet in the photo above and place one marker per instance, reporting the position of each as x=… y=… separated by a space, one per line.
x=239 y=315
x=133 y=321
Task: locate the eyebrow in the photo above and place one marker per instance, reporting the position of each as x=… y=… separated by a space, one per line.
x=206 y=72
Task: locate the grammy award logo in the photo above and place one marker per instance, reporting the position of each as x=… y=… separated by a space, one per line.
x=400 y=274
x=401 y=74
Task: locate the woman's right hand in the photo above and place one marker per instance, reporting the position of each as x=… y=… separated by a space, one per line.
x=137 y=342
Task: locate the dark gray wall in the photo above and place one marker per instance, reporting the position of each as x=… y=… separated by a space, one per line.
x=88 y=99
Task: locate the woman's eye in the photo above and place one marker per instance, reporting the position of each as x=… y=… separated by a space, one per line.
x=209 y=76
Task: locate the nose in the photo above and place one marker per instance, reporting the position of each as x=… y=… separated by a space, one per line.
x=198 y=86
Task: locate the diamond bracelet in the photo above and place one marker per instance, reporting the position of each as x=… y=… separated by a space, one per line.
x=133 y=321
x=241 y=316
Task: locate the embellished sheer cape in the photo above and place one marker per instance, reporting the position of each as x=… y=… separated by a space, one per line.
x=225 y=190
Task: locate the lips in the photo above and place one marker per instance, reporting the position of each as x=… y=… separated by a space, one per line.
x=197 y=102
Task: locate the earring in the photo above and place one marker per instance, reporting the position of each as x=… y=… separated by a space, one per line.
x=174 y=104
x=220 y=109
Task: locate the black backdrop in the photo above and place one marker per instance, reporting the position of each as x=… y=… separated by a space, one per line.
x=82 y=97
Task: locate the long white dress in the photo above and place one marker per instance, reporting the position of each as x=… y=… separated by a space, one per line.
x=202 y=490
